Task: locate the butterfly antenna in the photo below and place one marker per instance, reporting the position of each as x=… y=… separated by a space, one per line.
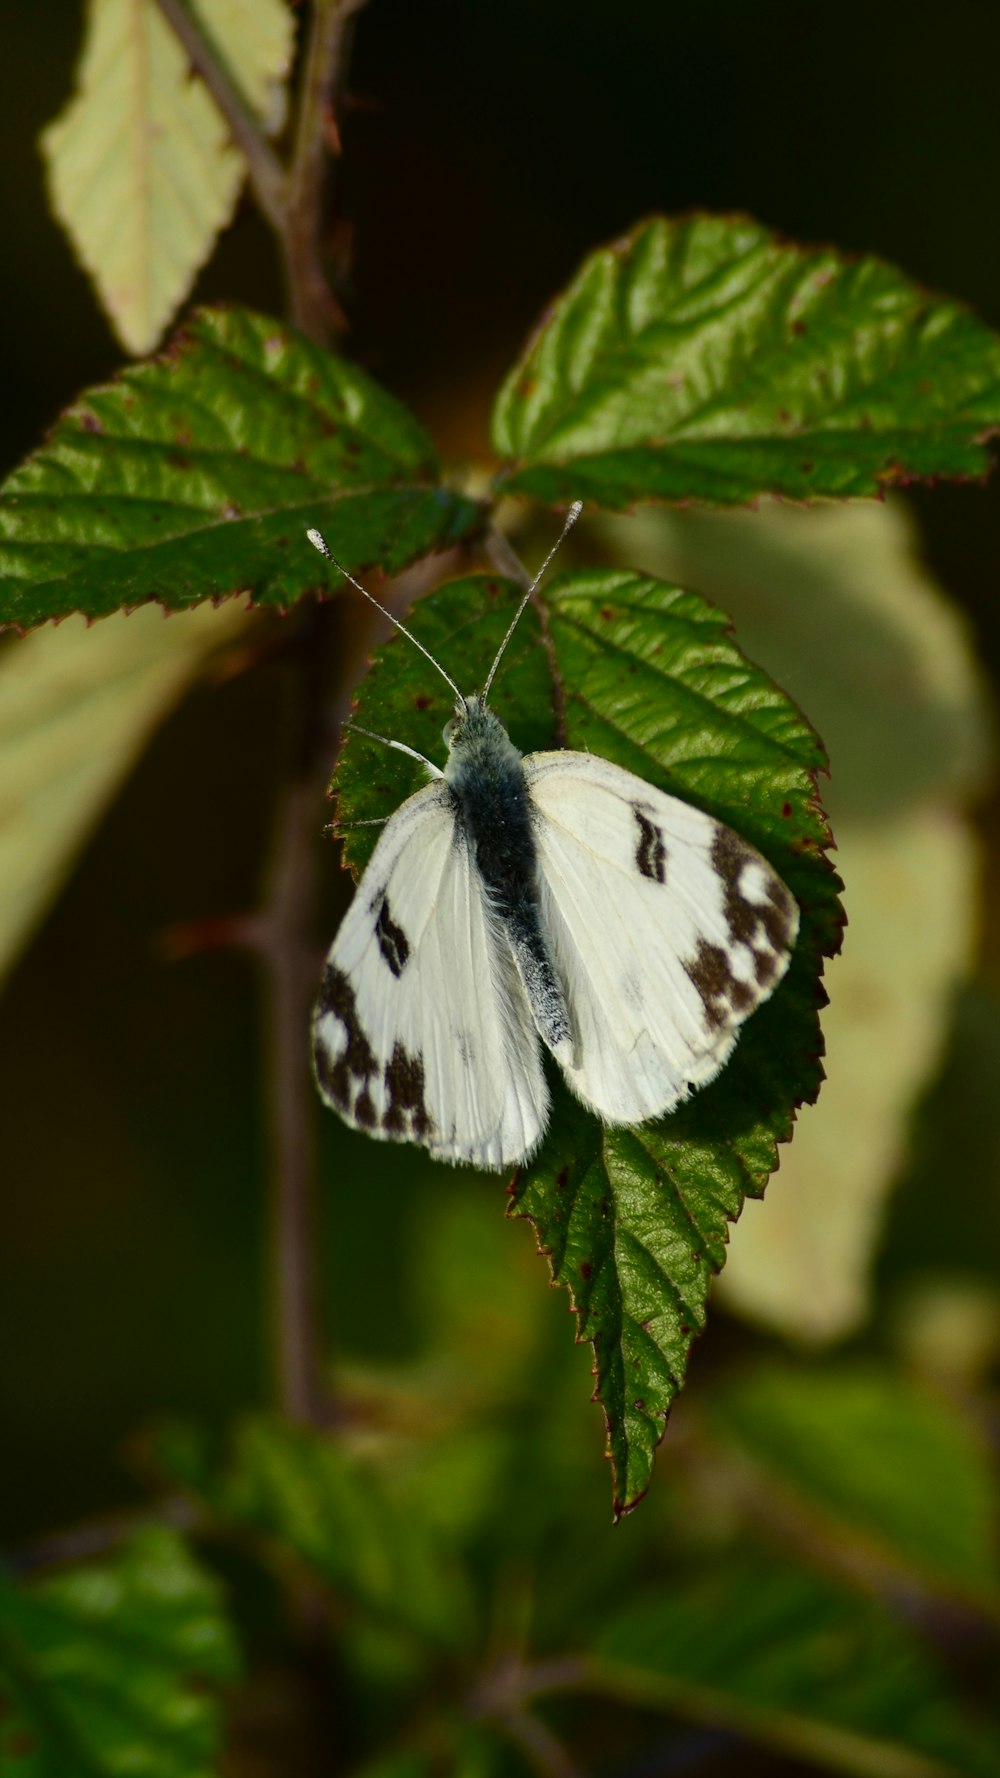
x=354 y=728
x=319 y=542
x=571 y=518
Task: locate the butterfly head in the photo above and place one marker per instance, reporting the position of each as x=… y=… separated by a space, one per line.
x=476 y=740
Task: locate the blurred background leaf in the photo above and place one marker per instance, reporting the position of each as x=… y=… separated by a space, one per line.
x=304 y=1497
x=898 y=1473
x=103 y=1668
x=77 y=705
x=799 y=1665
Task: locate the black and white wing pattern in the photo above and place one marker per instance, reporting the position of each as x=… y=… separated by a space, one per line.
x=666 y=928
x=422 y=1031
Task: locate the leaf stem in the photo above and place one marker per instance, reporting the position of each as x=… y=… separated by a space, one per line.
x=267 y=175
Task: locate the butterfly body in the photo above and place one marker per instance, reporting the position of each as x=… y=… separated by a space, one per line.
x=552 y=896
x=493 y=809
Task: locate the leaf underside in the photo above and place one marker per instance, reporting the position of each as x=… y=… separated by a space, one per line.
x=634 y=1221
x=705 y=359
x=195 y=476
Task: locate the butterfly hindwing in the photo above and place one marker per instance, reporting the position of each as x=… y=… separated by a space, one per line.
x=667 y=930
x=422 y=1032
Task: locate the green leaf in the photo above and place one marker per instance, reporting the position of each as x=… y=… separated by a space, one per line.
x=883 y=1464
x=195 y=477
x=76 y=706
x=142 y=172
x=635 y=1221
x=307 y=1499
x=706 y=359
x=102 y=1668
x=789 y=1660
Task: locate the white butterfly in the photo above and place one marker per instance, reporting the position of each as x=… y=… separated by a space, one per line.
x=553 y=896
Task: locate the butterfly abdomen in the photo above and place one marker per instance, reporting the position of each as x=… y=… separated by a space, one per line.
x=485 y=774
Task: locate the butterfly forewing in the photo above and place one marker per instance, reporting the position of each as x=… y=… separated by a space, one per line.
x=667 y=930
x=422 y=1032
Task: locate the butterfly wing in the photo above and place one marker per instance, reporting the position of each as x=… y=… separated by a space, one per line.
x=667 y=930
x=422 y=1032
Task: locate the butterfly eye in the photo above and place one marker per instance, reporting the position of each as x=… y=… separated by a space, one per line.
x=450 y=730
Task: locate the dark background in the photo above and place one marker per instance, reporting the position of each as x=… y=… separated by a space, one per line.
x=487 y=148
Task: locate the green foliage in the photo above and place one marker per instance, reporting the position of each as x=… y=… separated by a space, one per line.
x=635 y=1221
x=196 y=475
x=869 y=1451
x=302 y=1496
x=786 y=1657
x=100 y=1668
x=705 y=359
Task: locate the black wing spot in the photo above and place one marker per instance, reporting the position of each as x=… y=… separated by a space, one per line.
x=404 y=1081
x=392 y=940
x=751 y=921
x=650 y=851
x=724 y=997
x=343 y=1079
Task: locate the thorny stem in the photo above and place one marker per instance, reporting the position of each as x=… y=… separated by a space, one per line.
x=314 y=306
x=284 y=941
x=292 y=199
x=283 y=931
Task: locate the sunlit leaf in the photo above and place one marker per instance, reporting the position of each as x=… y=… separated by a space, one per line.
x=790 y=1661
x=635 y=1221
x=706 y=359
x=103 y=1668
x=195 y=477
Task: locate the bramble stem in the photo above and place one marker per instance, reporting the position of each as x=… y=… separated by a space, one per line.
x=286 y=946
x=283 y=933
x=313 y=305
x=292 y=198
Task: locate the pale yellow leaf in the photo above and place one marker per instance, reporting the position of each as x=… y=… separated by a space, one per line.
x=801 y=1258
x=142 y=173
x=77 y=704
x=256 y=39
